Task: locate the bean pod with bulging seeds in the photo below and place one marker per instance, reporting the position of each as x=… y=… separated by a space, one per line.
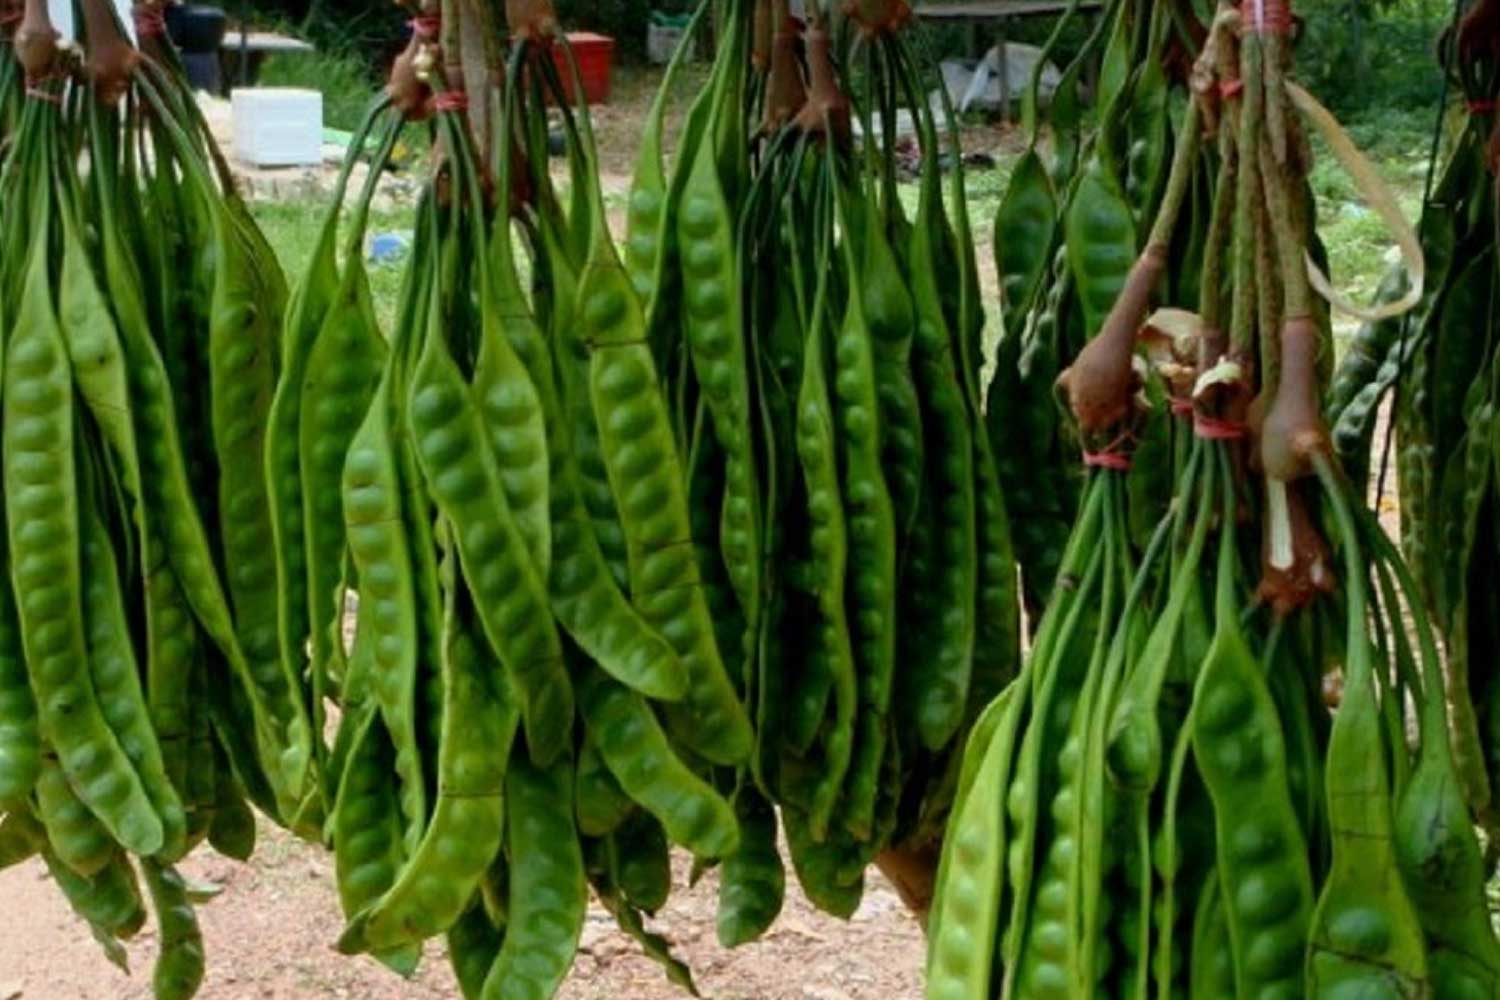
x=151 y=737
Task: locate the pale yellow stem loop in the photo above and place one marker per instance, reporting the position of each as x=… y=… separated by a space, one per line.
x=1380 y=198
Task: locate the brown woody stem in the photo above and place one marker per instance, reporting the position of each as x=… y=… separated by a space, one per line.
x=36 y=42
x=1101 y=381
x=765 y=28
x=1296 y=564
x=786 y=93
x=1211 y=293
x=1248 y=199
x=1294 y=430
x=408 y=92
x=878 y=17
x=826 y=108
x=1270 y=298
x=1180 y=179
x=1267 y=17
x=111 y=58
x=531 y=20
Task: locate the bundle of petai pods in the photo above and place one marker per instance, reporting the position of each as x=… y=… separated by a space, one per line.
x=821 y=347
x=497 y=748
x=143 y=707
x=645 y=543
x=1161 y=804
x=712 y=532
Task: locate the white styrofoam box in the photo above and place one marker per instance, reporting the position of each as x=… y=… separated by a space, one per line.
x=662 y=42
x=905 y=125
x=277 y=126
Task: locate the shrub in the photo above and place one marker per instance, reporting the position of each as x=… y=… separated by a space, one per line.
x=1361 y=55
x=347 y=81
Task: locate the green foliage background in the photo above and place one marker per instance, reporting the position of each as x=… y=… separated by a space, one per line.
x=1357 y=55
x=1372 y=55
x=1372 y=61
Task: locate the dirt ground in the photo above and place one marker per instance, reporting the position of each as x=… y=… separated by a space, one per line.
x=270 y=933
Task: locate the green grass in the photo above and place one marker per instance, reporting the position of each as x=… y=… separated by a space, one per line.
x=293 y=229
x=1358 y=242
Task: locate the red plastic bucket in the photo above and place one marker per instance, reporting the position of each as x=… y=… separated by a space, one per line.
x=596 y=56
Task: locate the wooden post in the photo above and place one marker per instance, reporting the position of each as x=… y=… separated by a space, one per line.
x=1003 y=66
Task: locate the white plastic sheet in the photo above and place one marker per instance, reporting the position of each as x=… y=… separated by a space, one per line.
x=977 y=85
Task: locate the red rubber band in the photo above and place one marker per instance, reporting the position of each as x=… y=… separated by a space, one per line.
x=1114 y=456
x=1114 y=461
x=451 y=100
x=1267 y=17
x=426 y=25
x=1181 y=406
x=10 y=17
x=1214 y=429
x=1231 y=89
x=150 y=22
x=1484 y=107
x=37 y=93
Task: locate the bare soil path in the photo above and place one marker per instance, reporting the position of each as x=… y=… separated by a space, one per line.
x=270 y=934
